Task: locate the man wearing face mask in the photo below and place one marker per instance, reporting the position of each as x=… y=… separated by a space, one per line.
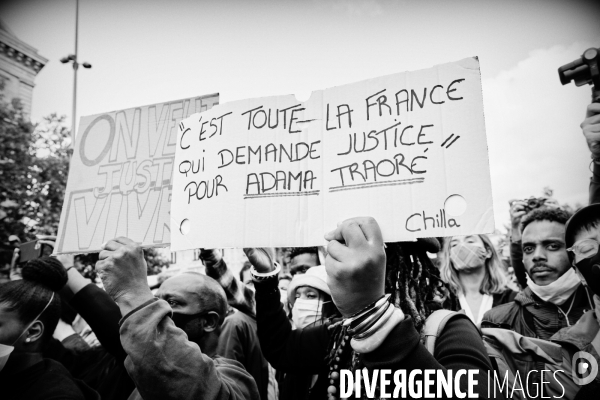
x=171 y=340
x=554 y=297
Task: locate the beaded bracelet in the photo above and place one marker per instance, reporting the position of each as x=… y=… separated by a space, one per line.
x=364 y=311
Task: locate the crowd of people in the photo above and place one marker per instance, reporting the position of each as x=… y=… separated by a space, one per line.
x=359 y=305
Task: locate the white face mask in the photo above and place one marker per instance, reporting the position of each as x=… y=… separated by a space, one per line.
x=305 y=312
x=558 y=291
x=5 y=349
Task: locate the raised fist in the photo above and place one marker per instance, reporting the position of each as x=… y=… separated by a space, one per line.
x=355 y=264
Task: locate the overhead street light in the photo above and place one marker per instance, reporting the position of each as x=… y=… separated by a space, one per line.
x=73 y=59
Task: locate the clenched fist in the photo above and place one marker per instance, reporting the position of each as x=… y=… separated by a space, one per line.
x=355 y=264
x=261 y=258
x=122 y=269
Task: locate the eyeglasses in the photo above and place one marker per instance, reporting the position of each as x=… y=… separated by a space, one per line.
x=585 y=248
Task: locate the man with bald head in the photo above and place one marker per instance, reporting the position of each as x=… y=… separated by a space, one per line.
x=170 y=340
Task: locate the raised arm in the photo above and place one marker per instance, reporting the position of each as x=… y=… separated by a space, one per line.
x=165 y=365
x=591 y=130
x=356 y=272
x=238 y=295
x=287 y=350
x=161 y=360
x=96 y=307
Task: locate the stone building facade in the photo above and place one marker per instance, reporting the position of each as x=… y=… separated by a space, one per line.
x=19 y=65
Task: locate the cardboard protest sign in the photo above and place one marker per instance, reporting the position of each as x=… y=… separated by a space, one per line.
x=120 y=177
x=407 y=149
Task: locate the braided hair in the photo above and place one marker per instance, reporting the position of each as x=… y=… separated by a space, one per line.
x=414 y=282
x=28 y=297
x=416 y=287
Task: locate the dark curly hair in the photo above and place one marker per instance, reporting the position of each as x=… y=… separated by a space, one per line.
x=42 y=277
x=551 y=214
x=415 y=286
x=296 y=251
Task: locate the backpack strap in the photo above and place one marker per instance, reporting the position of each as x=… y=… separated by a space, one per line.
x=434 y=325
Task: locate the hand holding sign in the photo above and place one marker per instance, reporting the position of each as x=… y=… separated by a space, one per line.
x=355 y=264
x=261 y=259
x=123 y=270
x=396 y=147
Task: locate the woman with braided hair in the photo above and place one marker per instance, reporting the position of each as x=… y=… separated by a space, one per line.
x=375 y=330
x=29 y=312
x=414 y=282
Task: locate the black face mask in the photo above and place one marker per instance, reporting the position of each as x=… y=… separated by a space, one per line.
x=182 y=320
x=590 y=269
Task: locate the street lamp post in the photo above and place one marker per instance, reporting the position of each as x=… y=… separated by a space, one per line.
x=73 y=58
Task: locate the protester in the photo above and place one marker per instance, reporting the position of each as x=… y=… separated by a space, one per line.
x=310 y=297
x=102 y=367
x=518 y=209
x=302 y=258
x=239 y=296
x=29 y=313
x=473 y=270
x=357 y=278
x=169 y=341
x=554 y=297
x=245 y=276
x=238 y=339
x=582 y=239
x=284 y=283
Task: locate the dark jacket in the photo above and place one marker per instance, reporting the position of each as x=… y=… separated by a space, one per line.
x=100 y=367
x=165 y=365
x=238 y=341
x=530 y=316
x=595 y=185
x=303 y=351
x=46 y=379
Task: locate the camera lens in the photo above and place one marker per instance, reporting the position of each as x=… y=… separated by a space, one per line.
x=533 y=203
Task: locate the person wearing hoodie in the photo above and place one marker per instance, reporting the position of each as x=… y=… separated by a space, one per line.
x=309 y=298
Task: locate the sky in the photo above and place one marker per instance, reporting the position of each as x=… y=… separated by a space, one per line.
x=149 y=51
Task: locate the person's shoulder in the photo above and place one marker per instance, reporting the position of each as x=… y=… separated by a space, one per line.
x=234 y=375
x=239 y=319
x=501 y=314
x=504 y=297
x=56 y=381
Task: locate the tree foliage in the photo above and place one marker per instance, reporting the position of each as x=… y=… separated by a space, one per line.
x=34 y=163
x=34 y=166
